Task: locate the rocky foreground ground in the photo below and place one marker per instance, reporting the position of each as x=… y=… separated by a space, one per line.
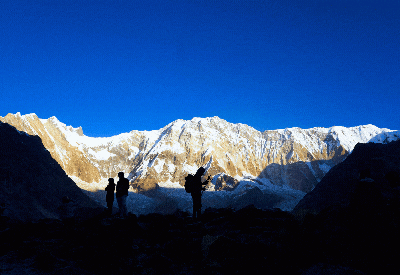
x=247 y=241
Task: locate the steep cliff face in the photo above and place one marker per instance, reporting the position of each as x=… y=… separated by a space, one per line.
x=33 y=185
x=294 y=158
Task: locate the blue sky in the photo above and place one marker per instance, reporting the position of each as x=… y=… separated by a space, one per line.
x=115 y=66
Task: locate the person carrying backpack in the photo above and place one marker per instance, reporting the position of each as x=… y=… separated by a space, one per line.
x=194 y=186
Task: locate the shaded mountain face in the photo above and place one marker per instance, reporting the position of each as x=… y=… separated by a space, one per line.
x=33 y=185
x=368 y=178
x=293 y=158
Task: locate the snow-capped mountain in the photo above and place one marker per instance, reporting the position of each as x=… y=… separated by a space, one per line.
x=288 y=161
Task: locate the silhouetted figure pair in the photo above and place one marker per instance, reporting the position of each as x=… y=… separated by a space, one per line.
x=110 y=195
x=122 y=194
x=195 y=187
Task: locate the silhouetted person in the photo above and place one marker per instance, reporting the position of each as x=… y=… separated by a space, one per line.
x=110 y=195
x=196 y=192
x=122 y=194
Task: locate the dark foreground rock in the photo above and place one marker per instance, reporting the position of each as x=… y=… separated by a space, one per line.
x=225 y=241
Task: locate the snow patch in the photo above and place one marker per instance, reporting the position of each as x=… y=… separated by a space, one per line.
x=101 y=155
x=159 y=166
x=169 y=184
x=191 y=169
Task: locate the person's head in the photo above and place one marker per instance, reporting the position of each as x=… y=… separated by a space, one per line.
x=121 y=175
x=111 y=181
x=200 y=171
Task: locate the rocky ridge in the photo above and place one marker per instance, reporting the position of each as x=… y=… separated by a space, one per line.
x=294 y=158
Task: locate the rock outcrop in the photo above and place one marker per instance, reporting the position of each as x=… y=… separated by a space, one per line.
x=33 y=185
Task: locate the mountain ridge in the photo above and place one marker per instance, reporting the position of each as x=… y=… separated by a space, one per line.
x=291 y=158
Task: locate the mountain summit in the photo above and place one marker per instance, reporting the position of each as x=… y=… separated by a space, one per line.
x=235 y=155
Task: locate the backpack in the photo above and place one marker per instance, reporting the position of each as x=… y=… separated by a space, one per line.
x=189 y=182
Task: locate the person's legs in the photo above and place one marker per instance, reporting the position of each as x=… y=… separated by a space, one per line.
x=109 y=206
x=198 y=212
x=119 y=201
x=196 y=207
x=194 y=211
x=124 y=210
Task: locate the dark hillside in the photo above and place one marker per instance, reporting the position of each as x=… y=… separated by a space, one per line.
x=371 y=165
x=32 y=184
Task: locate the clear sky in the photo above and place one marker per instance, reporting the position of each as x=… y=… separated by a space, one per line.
x=116 y=66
